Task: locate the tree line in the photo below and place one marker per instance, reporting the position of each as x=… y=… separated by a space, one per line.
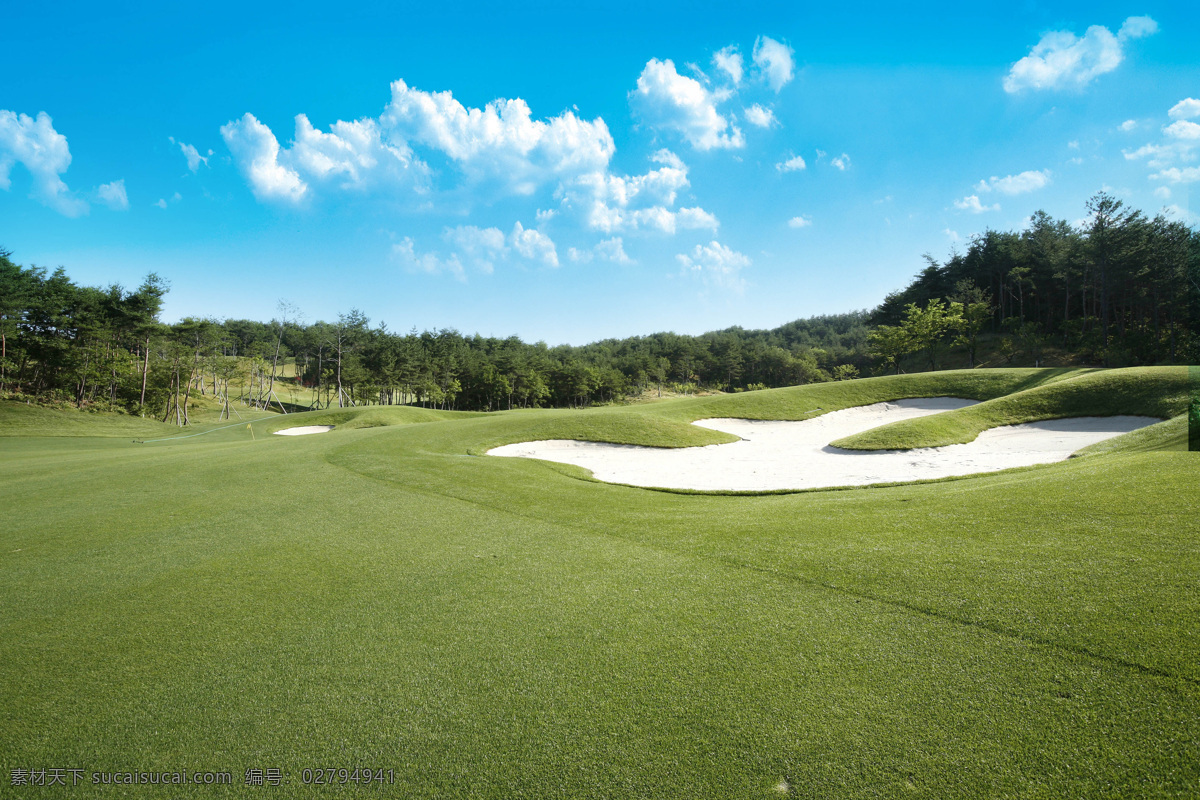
x=1121 y=288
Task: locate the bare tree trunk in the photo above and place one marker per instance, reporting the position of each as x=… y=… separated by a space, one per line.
x=145 y=372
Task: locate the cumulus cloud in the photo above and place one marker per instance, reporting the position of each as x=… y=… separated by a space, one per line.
x=1178 y=175
x=1028 y=181
x=43 y=151
x=841 y=162
x=666 y=100
x=696 y=218
x=1061 y=59
x=113 y=195
x=971 y=203
x=612 y=250
x=502 y=140
x=406 y=253
x=479 y=247
x=729 y=61
x=1137 y=27
x=799 y=222
x=1185 y=109
x=501 y=144
x=1183 y=129
x=716 y=265
x=625 y=203
x=1128 y=125
x=759 y=116
x=194 y=159
x=256 y=151
x=775 y=61
x=1177 y=149
x=791 y=165
x=533 y=245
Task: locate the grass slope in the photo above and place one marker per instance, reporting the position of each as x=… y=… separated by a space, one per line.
x=1146 y=391
x=492 y=628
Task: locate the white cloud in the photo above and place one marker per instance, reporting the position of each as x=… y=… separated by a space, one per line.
x=477 y=248
x=500 y=141
x=1073 y=144
x=841 y=162
x=256 y=150
x=696 y=218
x=160 y=202
x=431 y=263
x=664 y=99
x=1028 y=181
x=612 y=250
x=791 y=165
x=1185 y=109
x=1177 y=175
x=352 y=154
x=1179 y=146
x=1189 y=131
x=616 y=203
x=533 y=245
x=500 y=144
x=716 y=265
x=952 y=235
x=759 y=116
x=1137 y=28
x=113 y=195
x=194 y=159
x=1128 y=125
x=971 y=203
x=1159 y=155
x=480 y=247
x=1162 y=193
x=43 y=151
x=775 y=60
x=1061 y=59
x=729 y=61
x=799 y=222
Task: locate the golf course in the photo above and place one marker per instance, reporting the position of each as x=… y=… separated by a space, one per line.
x=385 y=596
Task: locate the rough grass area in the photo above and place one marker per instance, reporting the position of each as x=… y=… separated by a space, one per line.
x=1145 y=391
x=494 y=628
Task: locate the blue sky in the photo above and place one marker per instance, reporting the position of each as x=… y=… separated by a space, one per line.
x=571 y=172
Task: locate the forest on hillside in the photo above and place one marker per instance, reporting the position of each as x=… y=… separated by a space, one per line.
x=1121 y=289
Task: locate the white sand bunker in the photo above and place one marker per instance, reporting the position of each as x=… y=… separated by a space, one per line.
x=797 y=455
x=304 y=430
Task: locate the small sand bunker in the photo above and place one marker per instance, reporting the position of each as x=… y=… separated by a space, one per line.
x=797 y=455
x=304 y=430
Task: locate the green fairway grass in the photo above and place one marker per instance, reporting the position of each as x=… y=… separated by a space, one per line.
x=384 y=596
x=1146 y=391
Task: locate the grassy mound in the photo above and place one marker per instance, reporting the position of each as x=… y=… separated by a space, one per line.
x=1144 y=391
x=365 y=417
x=20 y=419
x=802 y=402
